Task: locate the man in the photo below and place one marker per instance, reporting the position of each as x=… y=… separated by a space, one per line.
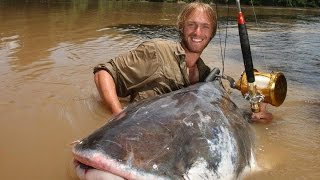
x=161 y=66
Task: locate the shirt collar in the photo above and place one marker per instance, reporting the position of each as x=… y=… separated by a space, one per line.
x=180 y=52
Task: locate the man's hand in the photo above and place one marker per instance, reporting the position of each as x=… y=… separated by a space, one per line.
x=263 y=116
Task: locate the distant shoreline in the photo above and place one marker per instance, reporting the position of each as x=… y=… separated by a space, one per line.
x=314 y=4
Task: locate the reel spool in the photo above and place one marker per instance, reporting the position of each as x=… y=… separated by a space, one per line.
x=273 y=86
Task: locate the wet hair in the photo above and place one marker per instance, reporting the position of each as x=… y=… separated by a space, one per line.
x=189 y=8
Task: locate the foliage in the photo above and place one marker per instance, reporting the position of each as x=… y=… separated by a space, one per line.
x=285 y=3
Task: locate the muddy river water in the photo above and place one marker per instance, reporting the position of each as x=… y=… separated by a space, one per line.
x=48 y=98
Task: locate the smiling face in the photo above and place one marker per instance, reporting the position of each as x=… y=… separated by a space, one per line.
x=197 y=31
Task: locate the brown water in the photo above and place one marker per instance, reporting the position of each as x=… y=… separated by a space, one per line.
x=48 y=98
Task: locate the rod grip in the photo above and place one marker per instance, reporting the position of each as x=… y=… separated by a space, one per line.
x=245 y=48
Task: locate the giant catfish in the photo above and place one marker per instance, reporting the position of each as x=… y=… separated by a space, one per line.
x=192 y=133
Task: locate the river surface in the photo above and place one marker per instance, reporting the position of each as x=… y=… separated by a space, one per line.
x=48 y=97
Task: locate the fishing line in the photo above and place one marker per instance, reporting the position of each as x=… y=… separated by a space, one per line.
x=223 y=49
x=254 y=13
x=256 y=20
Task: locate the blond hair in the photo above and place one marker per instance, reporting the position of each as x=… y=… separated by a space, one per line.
x=188 y=9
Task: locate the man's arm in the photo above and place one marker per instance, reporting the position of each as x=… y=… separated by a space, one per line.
x=107 y=89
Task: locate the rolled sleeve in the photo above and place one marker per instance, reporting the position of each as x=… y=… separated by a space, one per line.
x=134 y=69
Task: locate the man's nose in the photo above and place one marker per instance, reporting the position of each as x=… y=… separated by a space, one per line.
x=197 y=30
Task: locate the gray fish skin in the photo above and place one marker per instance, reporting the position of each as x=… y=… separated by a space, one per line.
x=193 y=133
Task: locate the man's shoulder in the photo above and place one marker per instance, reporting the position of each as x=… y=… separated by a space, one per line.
x=165 y=45
x=161 y=42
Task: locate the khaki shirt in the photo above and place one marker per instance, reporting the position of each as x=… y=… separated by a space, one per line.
x=155 y=67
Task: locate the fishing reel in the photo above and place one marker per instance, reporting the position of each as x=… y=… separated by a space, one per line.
x=269 y=88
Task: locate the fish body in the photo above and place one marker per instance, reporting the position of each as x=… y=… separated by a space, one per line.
x=192 y=133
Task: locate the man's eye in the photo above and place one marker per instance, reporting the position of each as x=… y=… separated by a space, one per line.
x=191 y=25
x=206 y=27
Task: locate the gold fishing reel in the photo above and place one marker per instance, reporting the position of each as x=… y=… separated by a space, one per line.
x=271 y=86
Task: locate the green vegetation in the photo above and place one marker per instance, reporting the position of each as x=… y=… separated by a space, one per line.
x=283 y=3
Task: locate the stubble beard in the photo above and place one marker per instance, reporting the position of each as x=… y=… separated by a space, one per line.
x=191 y=48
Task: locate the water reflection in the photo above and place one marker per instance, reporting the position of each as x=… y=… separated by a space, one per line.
x=62 y=21
x=149 y=31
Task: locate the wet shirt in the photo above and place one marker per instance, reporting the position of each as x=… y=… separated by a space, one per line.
x=155 y=67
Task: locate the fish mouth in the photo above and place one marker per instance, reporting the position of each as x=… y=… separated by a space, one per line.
x=88 y=172
x=91 y=164
x=95 y=165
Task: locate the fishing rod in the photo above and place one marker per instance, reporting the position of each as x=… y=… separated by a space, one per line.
x=256 y=86
x=253 y=96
